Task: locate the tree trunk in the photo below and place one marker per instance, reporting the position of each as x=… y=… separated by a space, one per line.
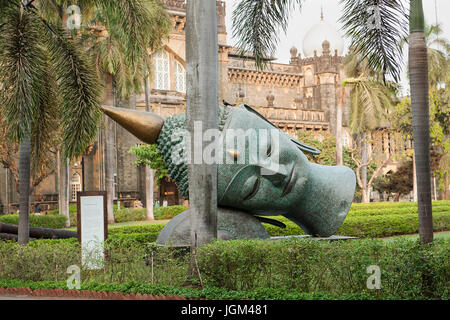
x=365 y=194
x=446 y=187
x=109 y=150
x=202 y=102
x=149 y=178
x=6 y=191
x=24 y=187
x=340 y=106
x=149 y=173
x=63 y=191
x=39 y=233
x=414 y=179
x=418 y=70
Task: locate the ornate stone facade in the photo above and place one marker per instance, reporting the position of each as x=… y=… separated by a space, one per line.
x=300 y=95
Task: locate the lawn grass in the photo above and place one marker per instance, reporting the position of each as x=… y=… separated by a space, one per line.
x=130 y=223
x=444 y=235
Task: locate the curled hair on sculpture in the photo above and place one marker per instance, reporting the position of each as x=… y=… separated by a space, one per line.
x=172 y=147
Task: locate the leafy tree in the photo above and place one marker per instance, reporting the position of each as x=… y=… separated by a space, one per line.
x=327 y=145
x=148 y=155
x=399 y=182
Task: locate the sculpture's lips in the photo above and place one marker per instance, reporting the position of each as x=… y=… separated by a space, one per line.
x=291 y=181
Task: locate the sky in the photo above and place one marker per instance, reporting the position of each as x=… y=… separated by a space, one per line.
x=301 y=20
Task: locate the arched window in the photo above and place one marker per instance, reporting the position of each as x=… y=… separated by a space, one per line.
x=180 y=77
x=309 y=77
x=162 y=70
x=76 y=186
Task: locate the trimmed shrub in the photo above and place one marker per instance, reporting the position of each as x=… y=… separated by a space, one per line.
x=54 y=221
x=212 y=293
x=335 y=267
x=369 y=226
x=130 y=214
x=255 y=269
x=168 y=212
x=151 y=228
x=384 y=205
x=389 y=211
x=140 y=214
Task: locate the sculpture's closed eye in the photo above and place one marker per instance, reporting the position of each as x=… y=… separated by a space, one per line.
x=254 y=189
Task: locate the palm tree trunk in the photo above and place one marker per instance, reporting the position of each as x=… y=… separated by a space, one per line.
x=202 y=101
x=365 y=191
x=24 y=187
x=446 y=187
x=63 y=191
x=6 y=191
x=149 y=178
x=418 y=70
x=340 y=106
x=414 y=179
x=149 y=173
x=109 y=149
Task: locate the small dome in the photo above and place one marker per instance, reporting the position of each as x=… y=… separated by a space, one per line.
x=294 y=52
x=316 y=37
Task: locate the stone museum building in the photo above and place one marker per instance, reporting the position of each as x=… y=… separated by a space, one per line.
x=299 y=95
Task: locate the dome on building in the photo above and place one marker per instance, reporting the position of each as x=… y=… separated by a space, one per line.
x=316 y=36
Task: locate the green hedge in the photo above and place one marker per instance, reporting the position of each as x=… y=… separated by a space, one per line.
x=255 y=269
x=140 y=214
x=151 y=228
x=55 y=221
x=384 y=205
x=389 y=211
x=130 y=214
x=168 y=212
x=212 y=293
x=371 y=226
x=335 y=267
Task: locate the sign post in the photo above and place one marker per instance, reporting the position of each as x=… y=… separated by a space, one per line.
x=92 y=226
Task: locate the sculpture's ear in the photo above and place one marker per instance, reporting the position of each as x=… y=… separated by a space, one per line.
x=304 y=147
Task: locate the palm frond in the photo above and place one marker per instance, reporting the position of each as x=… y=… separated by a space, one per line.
x=131 y=29
x=44 y=137
x=79 y=89
x=21 y=72
x=379 y=44
x=256 y=25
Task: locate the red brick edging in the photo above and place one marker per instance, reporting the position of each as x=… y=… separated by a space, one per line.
x=85 y=294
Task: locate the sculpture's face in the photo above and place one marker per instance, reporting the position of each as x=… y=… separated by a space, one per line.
x=272 y=173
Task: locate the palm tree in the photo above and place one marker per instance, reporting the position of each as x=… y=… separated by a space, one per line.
x=116 y=35
x=41 y=69
x=119 y=48
x=370 y=98
x=438 y=58
x=376 y=28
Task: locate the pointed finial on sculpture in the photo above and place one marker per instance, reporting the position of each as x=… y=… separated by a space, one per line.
x=321 y=12
x=145 y=126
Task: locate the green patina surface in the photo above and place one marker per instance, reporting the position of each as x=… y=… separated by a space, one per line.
x=264 y=171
